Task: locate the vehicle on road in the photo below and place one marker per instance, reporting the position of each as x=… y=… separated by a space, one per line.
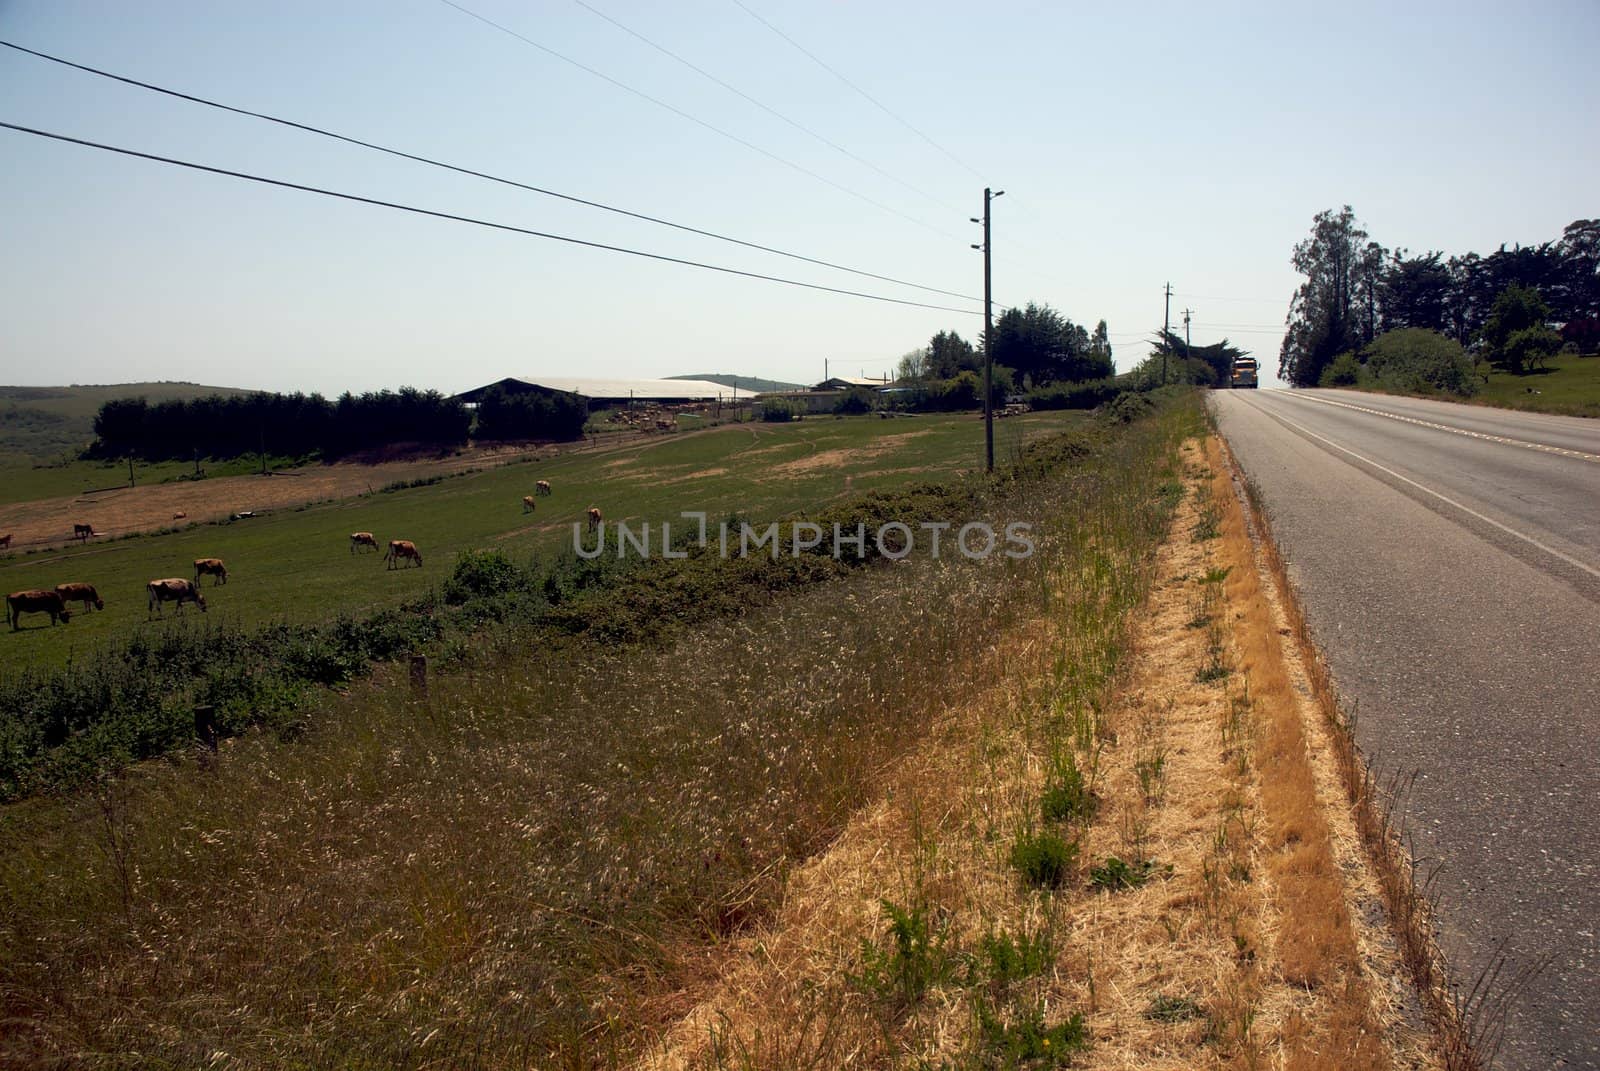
x=1245 y=373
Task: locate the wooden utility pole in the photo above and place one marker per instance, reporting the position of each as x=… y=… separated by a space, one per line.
x=1166 y=323
x=1186 y=346
x=988 y=335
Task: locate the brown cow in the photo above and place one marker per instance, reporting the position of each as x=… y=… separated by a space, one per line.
x=36 y=602
x=82 y=531
x=5 y=541
x=180 y=515
x=402 y=548
x=594 y=517
x=210 y=567
x=83 y=593
x=174 y=589
x=542 y=487
x=362 y=539
x=527 y=503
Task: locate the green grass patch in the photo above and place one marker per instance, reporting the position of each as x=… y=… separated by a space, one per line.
x=1568 y=385
x=294 y=566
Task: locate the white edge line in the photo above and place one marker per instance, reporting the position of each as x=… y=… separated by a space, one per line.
x=1553 y=552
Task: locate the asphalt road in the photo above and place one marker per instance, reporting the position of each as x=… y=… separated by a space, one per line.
x=1448 y=557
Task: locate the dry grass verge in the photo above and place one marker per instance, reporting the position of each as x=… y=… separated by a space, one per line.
x=1466 y=1026
x=1131 y=852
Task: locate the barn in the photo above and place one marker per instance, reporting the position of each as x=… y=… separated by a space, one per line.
x=610 y=393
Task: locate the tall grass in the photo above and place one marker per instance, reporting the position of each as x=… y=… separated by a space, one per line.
x=535 y=864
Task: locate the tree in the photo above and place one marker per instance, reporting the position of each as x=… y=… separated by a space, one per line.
x=1216 y=358
x=1333 y=309
x=1044 y=346
x=949 y=354
x=913 y=365
x=1414 y=291
x=1516 y=333
x=1100 y=342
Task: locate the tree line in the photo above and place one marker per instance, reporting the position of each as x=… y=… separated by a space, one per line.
x=1035 y=348
x=302 y=425
x=1507 y=305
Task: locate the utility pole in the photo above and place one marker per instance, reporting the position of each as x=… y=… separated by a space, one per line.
x=1166 y=321
x=988 y=335
x=1186 y=346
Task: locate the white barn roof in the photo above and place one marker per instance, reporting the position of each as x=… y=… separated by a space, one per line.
x=686 y=390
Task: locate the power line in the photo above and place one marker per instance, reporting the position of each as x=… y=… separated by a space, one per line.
x=696 y=119
x=475 y=221
x=321 y=132
x=880 y=105
x=759 y=104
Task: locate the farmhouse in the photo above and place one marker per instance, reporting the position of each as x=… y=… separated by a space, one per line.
x=609 y=393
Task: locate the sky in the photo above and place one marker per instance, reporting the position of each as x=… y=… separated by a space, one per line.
x=1159 y=142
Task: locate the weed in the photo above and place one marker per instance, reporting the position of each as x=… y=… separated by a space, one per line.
x=1165 y=1009
x=1067 y=796
x=1214 y=670
x=916 y=959
x=1006 y=960
x=1027 y=1041
x=1044 y=860
x=1151 y=770
x=1116 y=873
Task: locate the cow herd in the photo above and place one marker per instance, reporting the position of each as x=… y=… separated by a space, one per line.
x=180 y=591
x=55 y=602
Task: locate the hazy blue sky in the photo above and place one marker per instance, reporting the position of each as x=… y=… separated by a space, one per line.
x=1155 y=142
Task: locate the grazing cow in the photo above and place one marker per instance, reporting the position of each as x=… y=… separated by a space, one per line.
x=83 y=532
x=362 y=539
x=83 y=593
x=210 y=567
x=594 y=517
x=180 y=515
x=174 y=589
x=5 y=541
x=36 y=602
x=402 y=548
x=527 y=503
x=542 y=487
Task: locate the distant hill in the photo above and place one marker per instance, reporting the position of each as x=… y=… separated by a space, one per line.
x=42 y=423
x=750 y=383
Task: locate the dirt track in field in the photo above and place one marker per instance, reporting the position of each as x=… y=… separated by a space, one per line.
x=48 y=522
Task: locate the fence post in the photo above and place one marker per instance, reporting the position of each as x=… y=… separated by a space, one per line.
x=205 y=725
x=419 y=675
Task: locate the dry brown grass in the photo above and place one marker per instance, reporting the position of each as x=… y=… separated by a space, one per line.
x=1245 y=954
x=1461 y=1026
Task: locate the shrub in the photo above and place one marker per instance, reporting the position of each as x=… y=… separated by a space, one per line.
x=1088 y=395
x=480 y=573
x=1343 y=371
x=1416 y=359
x=856 y=401
x=778 y=410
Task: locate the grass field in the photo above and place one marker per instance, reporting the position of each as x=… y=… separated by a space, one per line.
x=1569 y=386
x=295 y=565
x=23 y=480
x=540 y=863
x=45 y=423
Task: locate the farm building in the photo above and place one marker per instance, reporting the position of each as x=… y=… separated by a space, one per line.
x=846 y=382
x=609 y=393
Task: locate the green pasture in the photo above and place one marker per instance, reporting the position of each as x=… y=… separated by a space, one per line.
x=295 y=565
x=1569 y=385
x=23 y=479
